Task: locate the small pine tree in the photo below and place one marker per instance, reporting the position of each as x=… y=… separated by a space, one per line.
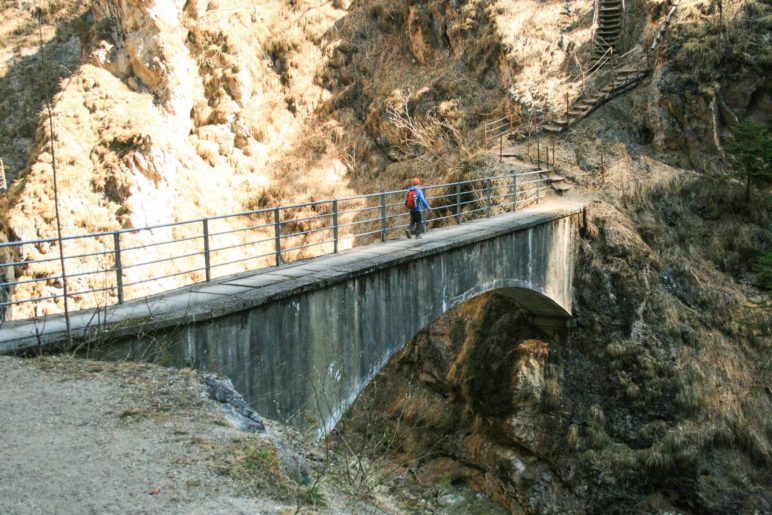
x=764 y=268
x=750 y=152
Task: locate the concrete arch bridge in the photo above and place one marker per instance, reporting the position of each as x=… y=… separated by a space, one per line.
x=317 y=331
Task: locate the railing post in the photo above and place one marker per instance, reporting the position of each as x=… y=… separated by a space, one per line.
x=383 y=217
x=118 y=266
x=207 y=263
x=553 y=153
x=529 y=140
x=514 y=192
x=458 y=203
x=538 y=151
x=501 y=147
x=602 y=168
x=538 y=188
x=277 y=235
x=335 y=225
x=567 y=116
x=612 y=68
x=489 y=194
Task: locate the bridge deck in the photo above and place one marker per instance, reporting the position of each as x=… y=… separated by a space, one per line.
x=209 y=300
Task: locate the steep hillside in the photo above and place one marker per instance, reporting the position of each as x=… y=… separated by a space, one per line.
x=658 y=400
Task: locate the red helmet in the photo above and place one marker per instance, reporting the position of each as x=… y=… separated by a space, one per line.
x=415 y=181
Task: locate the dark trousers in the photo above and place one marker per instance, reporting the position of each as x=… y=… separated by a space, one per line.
x=416 y=222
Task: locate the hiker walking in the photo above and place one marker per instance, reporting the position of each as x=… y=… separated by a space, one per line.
x=416 y=202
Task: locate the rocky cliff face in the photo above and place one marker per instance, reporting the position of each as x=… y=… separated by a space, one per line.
x=652 y=403
x=711 y=75
x=171 y=117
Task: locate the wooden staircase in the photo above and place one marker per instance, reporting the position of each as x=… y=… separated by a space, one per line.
x=521 y=161
x=609 y=26
x=624 y=79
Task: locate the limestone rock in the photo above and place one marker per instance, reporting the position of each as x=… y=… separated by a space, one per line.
x=244 y=417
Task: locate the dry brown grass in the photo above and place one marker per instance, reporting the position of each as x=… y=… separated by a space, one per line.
x=539 y=349
x=529 y=32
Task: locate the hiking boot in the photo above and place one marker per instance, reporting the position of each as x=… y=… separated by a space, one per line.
x=418 y=236
x=407 y=233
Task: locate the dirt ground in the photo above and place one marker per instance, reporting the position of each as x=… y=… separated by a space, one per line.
x=100 y=438
x=80 y=436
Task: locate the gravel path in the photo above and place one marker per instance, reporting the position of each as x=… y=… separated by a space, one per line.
x=89 y=437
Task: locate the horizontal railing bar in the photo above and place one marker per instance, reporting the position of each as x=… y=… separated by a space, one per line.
x=38 y=299
x=506 y=125
x=107 y=288
x=342 y=212
x=359 y=222
x=28 y=262
x=161 y=260
x=226 y=263
x=243 y=244
x=234 y=215
x=91 y=254
x=298 y=220
x=33 y=280
x=93 y=272
x=359 y=235
x=499 y=120
x=48 y=260
x=241 y=229
x=436 y=219
x=194 y=270
x=308 y=246
x=159 y=243
x=310 y=231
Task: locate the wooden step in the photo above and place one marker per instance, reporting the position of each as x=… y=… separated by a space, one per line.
x=554 y=177
x=553 y=129
x=560 y=187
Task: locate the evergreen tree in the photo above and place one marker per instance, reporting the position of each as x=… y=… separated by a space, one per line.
x=750 y=152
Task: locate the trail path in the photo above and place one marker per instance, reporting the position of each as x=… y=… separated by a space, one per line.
x=82 y=437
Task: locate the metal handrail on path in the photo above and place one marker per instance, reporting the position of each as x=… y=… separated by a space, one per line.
x=107 y=268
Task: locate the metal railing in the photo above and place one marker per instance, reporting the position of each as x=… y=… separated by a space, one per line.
x=108 y=268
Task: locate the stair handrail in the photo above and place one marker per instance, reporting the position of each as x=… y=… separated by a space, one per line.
x=619 y=61
x=592 y=67
x=503 y=126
